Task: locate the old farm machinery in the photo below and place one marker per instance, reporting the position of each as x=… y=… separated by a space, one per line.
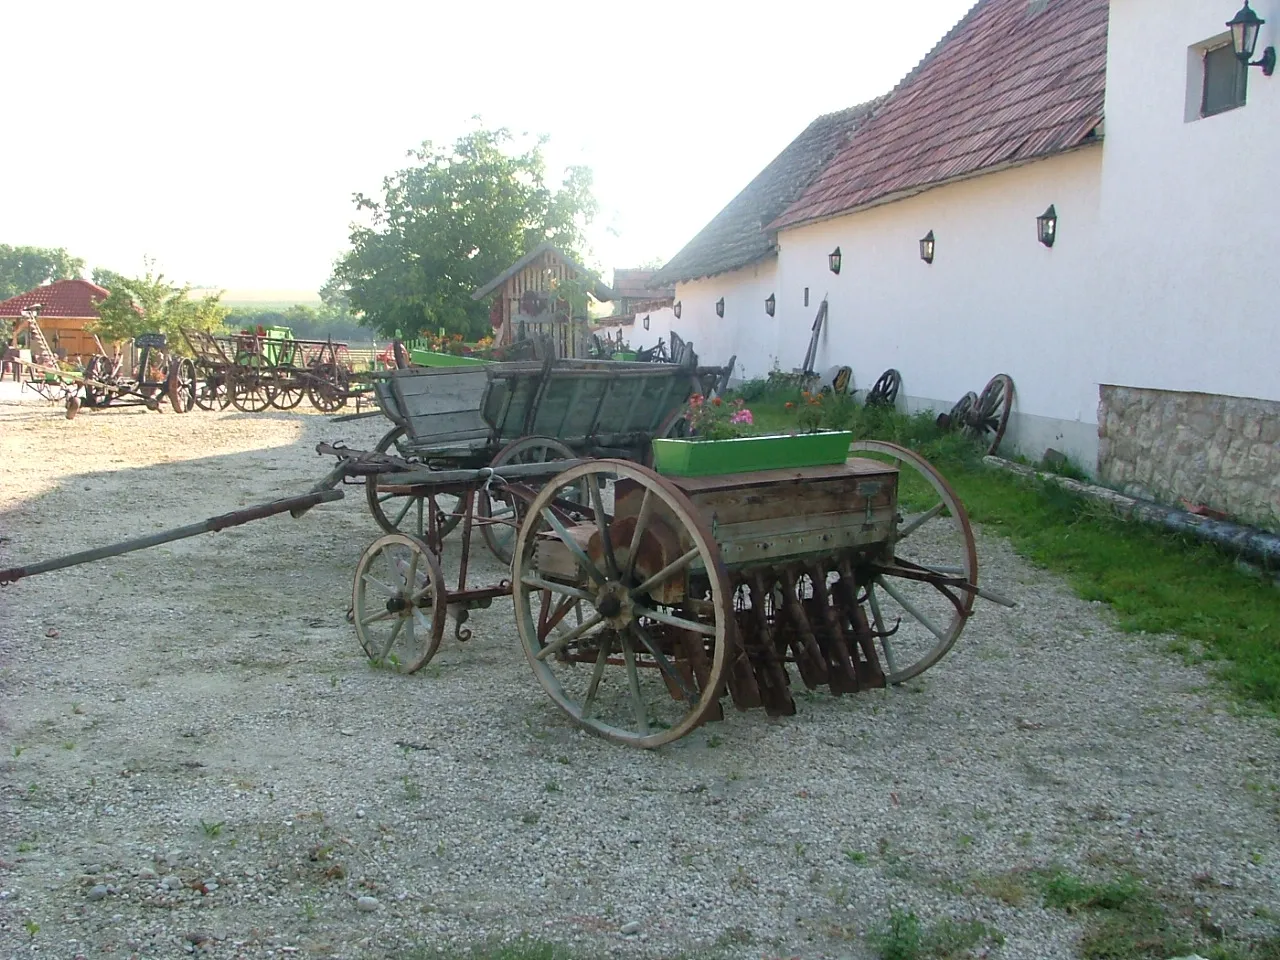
x=645 y=604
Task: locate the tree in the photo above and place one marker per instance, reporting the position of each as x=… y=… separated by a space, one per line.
x=106 y=278
x=451 y=223
x=150 y=304
x=22 y=268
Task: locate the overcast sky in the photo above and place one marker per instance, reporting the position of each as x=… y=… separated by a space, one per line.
x=225 y=139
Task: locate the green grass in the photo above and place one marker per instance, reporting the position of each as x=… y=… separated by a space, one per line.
x=1155 y=581
x=904 y=937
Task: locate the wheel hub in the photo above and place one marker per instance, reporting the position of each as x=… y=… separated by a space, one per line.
x=614 y=604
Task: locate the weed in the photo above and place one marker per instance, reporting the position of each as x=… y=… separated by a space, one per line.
x=551 y=786
x=32 y=928
x=738 y=936
x=77 y=709
x=900 y=938
x=905 y=938
x=714 y=740
x=333 y=680
x=26 y=846
x=964 y=841
x=1064 y=891
x=530 y=818
x=411 y=790
x=309 y=911
x=18 y=751
x=212 y=829
x=1007 y=887
x=735 y=775
x=856 y=856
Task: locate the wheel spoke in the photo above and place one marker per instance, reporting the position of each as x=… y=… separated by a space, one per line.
x=663 y=663
x=560 y=643
x=707 y=630
x=386 y=590
x=539 y=584
x=391 y=641
x=602 y=524
x=572 y=545
x=403 y=510
x=878 y=619
x=633 y=680
x=377 y=618
x=921 y=520
x=908 y=606
x=597 y=674
x=642 y=521
x=666 y=573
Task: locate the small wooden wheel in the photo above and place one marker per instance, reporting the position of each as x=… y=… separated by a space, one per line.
x=501 y=512
x=328 y=387
x=990 y=414
x=181 y=385
x=915 y=589
x=397 y=512
x=648 y=662
x=286 y=392
x=884 y=392
x=247 y=389
x=399 y=602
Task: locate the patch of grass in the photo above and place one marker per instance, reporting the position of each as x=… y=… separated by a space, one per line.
x=1009 y=887
x=212 y=830
x=411 y=790
x=904 y=937
x=551 y=786
x=856 y=856
x=1155 y=581
x=68 y=744
x=1064 y=891
x=715 y=740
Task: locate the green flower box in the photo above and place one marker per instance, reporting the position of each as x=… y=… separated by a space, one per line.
x=428 y=358
x=706 y=458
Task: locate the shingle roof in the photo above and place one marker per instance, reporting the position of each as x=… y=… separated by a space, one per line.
x=62 y=298
x=633 y=284
x=1015 y=80
x=736 y=236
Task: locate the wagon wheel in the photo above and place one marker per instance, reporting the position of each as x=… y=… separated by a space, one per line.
x=400 y=512
x=674 y=427
x=959 y=414
x=399 y=602
x=990 y=414
x=327 y=387
x=212 y=392
x=181 y=384
x=285 y=393
x=99 y=369
x=502 y=512
x=884 y=393
x=247 y=390
x=907 y=590
x=648 y=662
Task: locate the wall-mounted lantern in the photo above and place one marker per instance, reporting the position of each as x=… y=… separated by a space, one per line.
x=676 y=309
x=770 y=304
x=646 y=321
x=833 y=260
x=1047 y=226
x=1244 y=38
x=926 y=247
x=720 y=307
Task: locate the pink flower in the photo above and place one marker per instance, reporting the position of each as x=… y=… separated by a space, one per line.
x=741 y=416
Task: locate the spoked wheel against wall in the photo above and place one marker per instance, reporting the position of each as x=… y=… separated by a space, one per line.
x=915 y=590
x=398 y=603
x=180 y=385
x=501 y=512
x=648 y=662
x=990 y=414
x=884 y=392
x=397 y=509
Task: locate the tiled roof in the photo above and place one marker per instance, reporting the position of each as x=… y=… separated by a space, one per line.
x=632 y=284
x=62 y=298
x=1015 y=80
x=736 y=236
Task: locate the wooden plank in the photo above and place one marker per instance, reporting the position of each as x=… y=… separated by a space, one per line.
x=796 y=498
x=442 y=426
x=466 y=397
x=854 y=466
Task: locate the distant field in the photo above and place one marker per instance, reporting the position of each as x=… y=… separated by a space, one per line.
x=269 y=304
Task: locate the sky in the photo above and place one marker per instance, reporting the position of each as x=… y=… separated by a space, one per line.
x=225 y=140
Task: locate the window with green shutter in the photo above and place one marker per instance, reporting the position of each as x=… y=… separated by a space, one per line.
x=1225 y=81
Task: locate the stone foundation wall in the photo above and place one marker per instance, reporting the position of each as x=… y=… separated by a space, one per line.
x=1223 y=452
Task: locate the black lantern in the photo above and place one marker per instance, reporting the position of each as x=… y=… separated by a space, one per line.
x=926 y=247
x=676 y=309
x=720 y=307
x=1244 y=38
x=646 y=321
x=1047 y=226
x=770 y=304
x=833 y=260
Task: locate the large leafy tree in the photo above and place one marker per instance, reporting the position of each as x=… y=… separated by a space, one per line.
x=452 y=221
x=22 y=268
x=150 y=304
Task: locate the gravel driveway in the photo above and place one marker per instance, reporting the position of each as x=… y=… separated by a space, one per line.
x=196 y=756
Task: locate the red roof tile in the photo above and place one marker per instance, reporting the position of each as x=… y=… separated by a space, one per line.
x=1014 y=81
x=62 y=298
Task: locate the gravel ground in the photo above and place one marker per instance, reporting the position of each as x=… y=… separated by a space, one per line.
x=197 y=757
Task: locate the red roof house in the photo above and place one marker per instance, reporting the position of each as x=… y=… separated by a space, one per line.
x=66 y=307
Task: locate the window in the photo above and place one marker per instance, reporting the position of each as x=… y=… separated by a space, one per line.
x=1225 y=81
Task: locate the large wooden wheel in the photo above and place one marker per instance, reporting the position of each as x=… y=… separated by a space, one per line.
x=399 y=603
x=501 y=512
x=648 y=661
x=884 y=392
x=990 y=414
x=328 y=387
x=286 y=391
x=180 y=385
x=916 y=589
x=248 y=389
x=399 y=510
